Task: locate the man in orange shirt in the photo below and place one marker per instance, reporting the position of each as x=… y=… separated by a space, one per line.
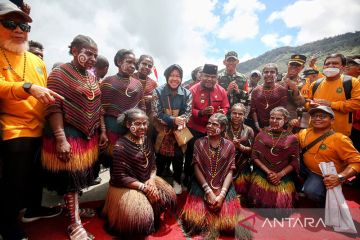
x=22 y=99
x=336 y=148
x=330 y=92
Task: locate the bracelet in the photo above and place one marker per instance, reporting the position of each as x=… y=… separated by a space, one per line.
x=283 y=173
x=141 y=187
x=223 y=192
x=59 y=133
x=205 y=185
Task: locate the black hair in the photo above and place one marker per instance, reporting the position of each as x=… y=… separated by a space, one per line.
x=142 y=57
x=81 y=41
x=101 y=62
x=120 y=55
x=127 y=117
x=337 y=55
x=35 y=44
x=172 y=68
x=271 y=65
x=195 y=72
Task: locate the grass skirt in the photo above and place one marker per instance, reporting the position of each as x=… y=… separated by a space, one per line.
x=196 y=218
x=241 y=182
x=76 y=174
x=129 y=212
x=263 y=194
x=113 y=134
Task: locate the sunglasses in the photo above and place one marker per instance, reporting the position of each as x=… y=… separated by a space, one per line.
x=9 y=24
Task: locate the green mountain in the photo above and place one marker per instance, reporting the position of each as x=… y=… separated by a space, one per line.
x=347 y=44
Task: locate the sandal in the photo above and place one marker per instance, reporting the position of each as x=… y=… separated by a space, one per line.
x=76 y=231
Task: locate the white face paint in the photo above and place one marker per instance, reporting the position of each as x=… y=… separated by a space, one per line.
x=218 y=131
x=82 y=57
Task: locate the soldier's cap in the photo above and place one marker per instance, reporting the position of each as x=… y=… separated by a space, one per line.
x=298 y=58
x=231 y=54
x=310 y=71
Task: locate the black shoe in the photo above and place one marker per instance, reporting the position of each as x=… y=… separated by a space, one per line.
x=31 y=215
x=96 y=181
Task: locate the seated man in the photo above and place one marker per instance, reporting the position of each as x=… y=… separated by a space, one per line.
x=328 y=146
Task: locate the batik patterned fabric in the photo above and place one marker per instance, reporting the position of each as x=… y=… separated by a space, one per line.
x=196 y=216
x=81 y=112
x=128 y=211
x=275 y=150
x=242 y=172
x=119 y=94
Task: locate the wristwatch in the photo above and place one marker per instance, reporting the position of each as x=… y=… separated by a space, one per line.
x=27 y=87
x=341 y=178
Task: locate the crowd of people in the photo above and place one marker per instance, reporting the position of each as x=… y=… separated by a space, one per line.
x=230 y=140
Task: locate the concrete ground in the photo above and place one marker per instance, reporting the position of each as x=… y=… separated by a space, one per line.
x=93 y=193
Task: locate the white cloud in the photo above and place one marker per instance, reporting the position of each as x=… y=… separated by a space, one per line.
x=317 y=19
x=274 y=40
x=170 y=31
x=241 y=22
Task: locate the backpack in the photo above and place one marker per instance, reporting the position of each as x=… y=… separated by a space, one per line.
x=347 y=85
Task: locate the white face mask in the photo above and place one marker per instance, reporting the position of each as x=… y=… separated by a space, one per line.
x=331 y=72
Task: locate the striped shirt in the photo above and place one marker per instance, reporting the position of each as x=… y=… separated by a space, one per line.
x=222 y=164
x=82 y=105
x=129 y=163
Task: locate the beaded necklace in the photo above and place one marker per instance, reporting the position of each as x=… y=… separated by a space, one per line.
x=87 y=82
x=270 y=91
x=141 y=148
x=236 y=134
x=214 y=158
x=12 y=69
x=274 y=144
x=127 y=93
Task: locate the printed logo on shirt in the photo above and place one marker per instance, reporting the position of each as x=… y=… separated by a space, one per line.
x=323 y=146
x=39 y=70
x=339 y=90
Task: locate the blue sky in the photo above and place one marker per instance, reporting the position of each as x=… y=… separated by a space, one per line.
x=188 y=32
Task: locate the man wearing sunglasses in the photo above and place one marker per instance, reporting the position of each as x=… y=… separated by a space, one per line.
x=23 y=97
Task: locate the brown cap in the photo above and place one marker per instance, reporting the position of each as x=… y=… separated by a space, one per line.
x=9 y=7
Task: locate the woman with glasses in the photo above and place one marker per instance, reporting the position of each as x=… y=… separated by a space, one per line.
x=74 y=130
x=275 y=157
x=136 y=196
x=242 y=136
x=144 y=67
x=212 y=207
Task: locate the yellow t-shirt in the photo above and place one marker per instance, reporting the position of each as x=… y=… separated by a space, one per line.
x=21 y=115
x=336 y=148
x=333 y=92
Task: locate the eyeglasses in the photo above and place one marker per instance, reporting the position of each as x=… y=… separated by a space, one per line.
x=9 y=24
x=320 y=116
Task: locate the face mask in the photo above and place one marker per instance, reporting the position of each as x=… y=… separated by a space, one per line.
x=331 y=72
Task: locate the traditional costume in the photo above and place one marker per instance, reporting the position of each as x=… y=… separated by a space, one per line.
x=275 y=150
x=241 y=174
x=81 y=110
x=196 y=216
x=128 y=211
x=118 y=94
